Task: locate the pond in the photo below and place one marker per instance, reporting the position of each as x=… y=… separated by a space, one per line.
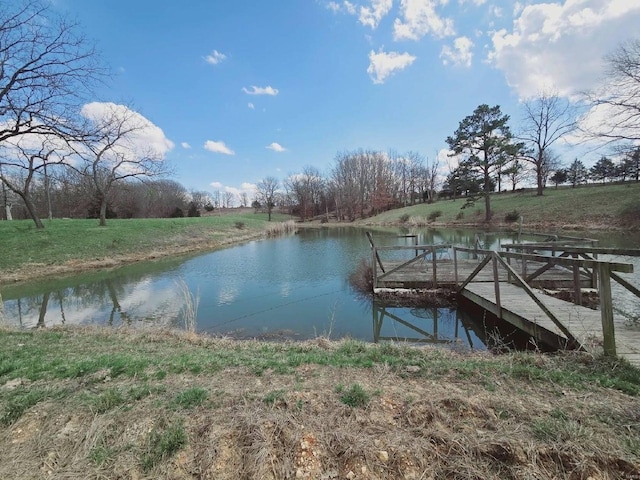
x=294 y=287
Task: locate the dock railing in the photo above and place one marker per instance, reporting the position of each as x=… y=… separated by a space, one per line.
x=603 y=268
x=421 y=254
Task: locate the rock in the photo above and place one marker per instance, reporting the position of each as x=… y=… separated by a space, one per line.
x=383 y=456
x=412 y=369
x=351 y=475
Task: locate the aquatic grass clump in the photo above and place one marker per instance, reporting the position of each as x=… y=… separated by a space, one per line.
x=361 y=279
x=280 y=228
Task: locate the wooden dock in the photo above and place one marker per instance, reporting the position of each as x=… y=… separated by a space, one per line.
x=506 y=284
x=585 y=324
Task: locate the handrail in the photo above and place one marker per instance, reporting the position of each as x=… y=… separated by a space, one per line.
x=631 y=252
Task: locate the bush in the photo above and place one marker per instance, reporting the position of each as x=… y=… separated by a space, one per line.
x=433 y=215
x=404 y=217
x=511 y=217
x=193 y=210
x=240 y=225
x=362 y=278
x=177 y=213
x=460 y=216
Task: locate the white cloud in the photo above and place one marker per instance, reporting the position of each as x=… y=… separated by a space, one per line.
x=276 y=147
x=561 y=45
x=144 y=138
x=460 y=54
x=215 y=57
x=420 y=18
x=333 y=6
x=251 y=106
x=344 y=7
x=475 y=2
x=495 y=11
x=371 y=16
x=185 y=145
x=218 y=147
x=268 y=90
x=383 y=64
x=216 y=185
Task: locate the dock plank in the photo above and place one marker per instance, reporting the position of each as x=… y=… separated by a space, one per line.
x=584 y=323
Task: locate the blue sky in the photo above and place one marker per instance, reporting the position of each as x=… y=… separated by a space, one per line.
x=244 y=89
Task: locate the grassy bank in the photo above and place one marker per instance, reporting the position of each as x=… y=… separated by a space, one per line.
x=130 y=404
x=585 y=207
x=66 y=246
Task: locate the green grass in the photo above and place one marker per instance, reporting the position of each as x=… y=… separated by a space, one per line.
x=164 y=442
x=65 y=240
x=355 y=396
x=190 y=398
x=603 y=204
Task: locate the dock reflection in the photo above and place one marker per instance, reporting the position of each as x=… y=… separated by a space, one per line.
x=426 y=325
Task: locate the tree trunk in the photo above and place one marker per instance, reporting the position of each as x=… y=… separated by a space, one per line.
x=540 y=186
x=103 y=211
x=32 y=211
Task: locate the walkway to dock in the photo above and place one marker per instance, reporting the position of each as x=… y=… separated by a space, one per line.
x=510 y=285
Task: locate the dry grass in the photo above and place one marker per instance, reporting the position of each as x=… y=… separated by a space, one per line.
x=432 y=419
x=280 y=228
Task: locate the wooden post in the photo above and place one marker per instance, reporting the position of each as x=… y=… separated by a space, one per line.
x=496 y=283
x=374 y=267
x=577 y=288
x=434 y=262
x=455 y=265
x=606 y=310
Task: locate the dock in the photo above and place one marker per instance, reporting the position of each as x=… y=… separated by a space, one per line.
x=512 y=284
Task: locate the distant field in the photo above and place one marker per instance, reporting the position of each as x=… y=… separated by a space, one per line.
x=585 y=207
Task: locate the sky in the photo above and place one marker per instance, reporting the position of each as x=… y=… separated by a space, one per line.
x=238 y=90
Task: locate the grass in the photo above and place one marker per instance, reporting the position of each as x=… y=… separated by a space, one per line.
x=355 y=396
x=65 y=241
x=139 y=403
x=580 y=207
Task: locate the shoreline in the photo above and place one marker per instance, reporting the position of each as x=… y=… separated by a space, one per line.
x=41 y=271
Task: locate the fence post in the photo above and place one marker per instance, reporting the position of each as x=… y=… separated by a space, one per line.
x=496 y=282
x=434 y=262
x=455 y=265
x=606 y=309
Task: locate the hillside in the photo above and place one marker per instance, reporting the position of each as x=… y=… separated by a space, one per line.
x=584 y=207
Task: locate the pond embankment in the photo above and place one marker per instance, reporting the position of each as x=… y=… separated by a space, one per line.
x=123 y=403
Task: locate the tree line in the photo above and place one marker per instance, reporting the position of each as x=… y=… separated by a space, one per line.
x=63 y=156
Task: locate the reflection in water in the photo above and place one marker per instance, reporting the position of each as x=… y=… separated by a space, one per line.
x=296 y=284
x=427 y=325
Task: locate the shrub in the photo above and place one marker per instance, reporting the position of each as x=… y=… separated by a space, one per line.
x=460 y=215
x=404 y=218
x=239 y=225
x=177 y=213
x=511 y=217
x=433 y=215
x=193 y=210
x=362 y=278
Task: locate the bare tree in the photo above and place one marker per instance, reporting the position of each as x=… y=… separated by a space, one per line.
x=615 y=112
x=244 y=199
x=228 y=199
x=23 y=159
x=266 y=193
x=46 y=67
x=110 y=153
x=546 y=119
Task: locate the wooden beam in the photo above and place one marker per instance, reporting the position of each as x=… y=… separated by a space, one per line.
x=606 y=310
